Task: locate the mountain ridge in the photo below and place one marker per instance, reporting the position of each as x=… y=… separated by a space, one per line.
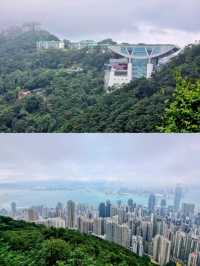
x=65 y=101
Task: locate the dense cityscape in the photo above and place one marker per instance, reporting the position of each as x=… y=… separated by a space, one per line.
x=164 y=233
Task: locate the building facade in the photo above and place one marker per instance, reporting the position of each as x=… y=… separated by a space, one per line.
x=71 y=214
x=161 y=250
x=46 y=45
x=135 y=61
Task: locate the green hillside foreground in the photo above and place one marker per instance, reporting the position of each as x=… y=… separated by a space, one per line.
x=62 y=101
x=25 y=244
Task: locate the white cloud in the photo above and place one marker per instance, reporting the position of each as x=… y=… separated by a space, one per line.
x=134 y=21
x=127 y=158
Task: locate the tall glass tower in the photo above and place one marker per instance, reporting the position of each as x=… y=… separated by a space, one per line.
x=152 y=203
x=177 y=197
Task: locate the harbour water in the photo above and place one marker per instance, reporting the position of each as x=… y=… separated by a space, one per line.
x=29 y=197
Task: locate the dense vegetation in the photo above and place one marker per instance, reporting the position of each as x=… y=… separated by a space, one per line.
x=24 y=244
x=183 y=114
x=62 y=101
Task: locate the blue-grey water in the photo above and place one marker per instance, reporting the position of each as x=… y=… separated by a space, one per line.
x=28 y=197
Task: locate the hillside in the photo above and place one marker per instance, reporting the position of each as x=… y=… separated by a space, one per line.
x=63 y=100
x=24 y=244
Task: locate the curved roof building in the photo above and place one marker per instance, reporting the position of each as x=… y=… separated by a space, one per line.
x=136 y=61
x=145 y=51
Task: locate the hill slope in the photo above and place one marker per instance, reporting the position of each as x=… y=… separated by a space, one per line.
x=24 y=244
x=67 y=101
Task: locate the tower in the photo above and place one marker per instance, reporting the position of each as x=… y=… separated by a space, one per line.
x=108 y=209
x=152 y=203
x=71 y=214
x=177 y=197
x=102 y=210
x=161 y=250
x=13 y=209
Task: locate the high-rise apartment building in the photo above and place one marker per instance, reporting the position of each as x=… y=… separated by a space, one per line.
x=98 y=228
x=13 y=209
x=177 y=197
x=188 y=209
x=137 y=245
x=152 y=203
x=71 y=215
x=161 y=250
x=193 y=259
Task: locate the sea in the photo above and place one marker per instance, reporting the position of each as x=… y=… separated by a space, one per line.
x=25 y=198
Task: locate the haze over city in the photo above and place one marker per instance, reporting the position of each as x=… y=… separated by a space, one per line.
x=139 y=21
x=132 y=159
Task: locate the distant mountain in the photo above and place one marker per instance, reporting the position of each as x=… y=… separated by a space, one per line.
x=14 y=42
x=25 y=244
x=63 y=90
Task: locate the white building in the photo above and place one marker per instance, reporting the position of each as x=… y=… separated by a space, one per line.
x=119 y=73
x=98 y=226
x=83 y=44
x=136 y=61
x=71 y=214
x=193 y=259
x=119 y=234
x=161 y=250
x=50 y=45
x=56 y=222
x=85 y=225
x=137 y=245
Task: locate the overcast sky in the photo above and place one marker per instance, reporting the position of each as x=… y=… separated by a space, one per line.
x=131 y=159
x=134 y=21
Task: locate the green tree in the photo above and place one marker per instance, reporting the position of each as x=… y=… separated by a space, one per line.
x=183 y=114
x=54 y=251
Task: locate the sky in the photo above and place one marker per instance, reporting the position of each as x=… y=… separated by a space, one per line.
x=130 y=159
x=152 y=21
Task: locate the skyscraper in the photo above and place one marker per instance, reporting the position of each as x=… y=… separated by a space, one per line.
x=179 y=245
x=98 y=226
x=137 y=245
x=177 y=197
x=102 y=210
x=152 y=203
x=70 y=214
x=188 y=209
x=130 y=205
x=163 y=205
x=161 y=250
x=59 y=209
x=109 y=230
x=193 y=258
x=13 y=209
x=108 y=208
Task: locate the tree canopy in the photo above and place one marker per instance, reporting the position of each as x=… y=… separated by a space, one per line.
x=67 y=89
x=183 y=114
x=25 y=244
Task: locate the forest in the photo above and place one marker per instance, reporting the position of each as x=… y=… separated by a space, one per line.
x=27 y=244
x=63 y=100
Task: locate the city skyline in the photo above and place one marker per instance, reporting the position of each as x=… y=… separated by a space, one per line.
x=160 y=231
x=124 y=21
x=143 y=160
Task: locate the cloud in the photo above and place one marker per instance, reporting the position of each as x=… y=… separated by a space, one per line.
x=154 y=159
x=176 y=21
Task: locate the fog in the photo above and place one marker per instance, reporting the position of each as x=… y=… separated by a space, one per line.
x=155 y=159
x=150 y=21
